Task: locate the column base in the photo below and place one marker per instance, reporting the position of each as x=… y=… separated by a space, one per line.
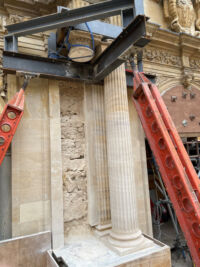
x=92 y=252
x=102 y=230
x=127 y=244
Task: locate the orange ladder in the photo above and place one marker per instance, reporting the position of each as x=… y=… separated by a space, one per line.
x=9 y=120
x=178 y=173
x=11 y=117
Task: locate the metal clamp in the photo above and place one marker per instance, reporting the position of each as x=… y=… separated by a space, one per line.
x=27 y=77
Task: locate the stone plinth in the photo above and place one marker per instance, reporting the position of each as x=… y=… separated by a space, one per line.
x=90 y=252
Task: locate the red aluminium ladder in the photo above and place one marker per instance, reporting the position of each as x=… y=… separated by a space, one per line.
x=11 y=116
x=9 y=120
x=178 y=174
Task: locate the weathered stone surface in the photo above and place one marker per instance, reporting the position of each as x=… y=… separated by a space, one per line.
x=73 y=152
x=91 y=252
x=31 y=162
x=56 y=166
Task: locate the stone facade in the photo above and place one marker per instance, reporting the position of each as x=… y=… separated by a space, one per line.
x=178 y=15
x=96 y=132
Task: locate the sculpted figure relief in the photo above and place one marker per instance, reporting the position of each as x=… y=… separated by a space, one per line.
x=184 y=15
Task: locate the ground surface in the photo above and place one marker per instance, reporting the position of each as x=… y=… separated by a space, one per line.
x=167 y=235
x=89 y=251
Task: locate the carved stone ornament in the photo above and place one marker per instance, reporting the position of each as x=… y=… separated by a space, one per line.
x=183 y=15
x=161 y=57
x=195 y=63
x=188 y=77
x=38 y=1
x=1 y=23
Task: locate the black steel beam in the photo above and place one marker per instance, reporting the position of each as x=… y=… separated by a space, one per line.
x=46 y=67
x=11 y=44
x=110 y=59
x=134 y=34
x=101 y=28
x=127 y=17
x=70 y=18
x=97 y=27
x=139 y=7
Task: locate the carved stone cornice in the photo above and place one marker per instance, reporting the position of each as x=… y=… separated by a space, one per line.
x=171 y=53
x=171 y=48
x=161 y=56
x=195 y=63
x=172 y=40
x=189 y=44
x=162 y=37
x=30 y=8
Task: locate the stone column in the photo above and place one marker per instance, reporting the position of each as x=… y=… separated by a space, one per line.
x=97 y=169
x=77 y=3
x=101 y=165
x=125 y=236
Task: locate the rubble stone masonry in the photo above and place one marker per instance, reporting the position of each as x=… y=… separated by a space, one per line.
x=73 y=154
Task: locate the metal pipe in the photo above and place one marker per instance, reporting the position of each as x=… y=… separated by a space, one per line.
x=5 y=198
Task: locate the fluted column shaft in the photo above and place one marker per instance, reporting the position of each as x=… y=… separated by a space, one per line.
x=125 y=232
x=77 y=3
x=120 y=156
x=101 y=167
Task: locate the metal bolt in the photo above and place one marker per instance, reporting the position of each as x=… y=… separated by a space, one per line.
x=184 y=122
x=192 y=95
x=173 y=98
x=184 y=94
x=192 y=117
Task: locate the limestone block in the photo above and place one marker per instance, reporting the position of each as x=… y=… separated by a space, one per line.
x=93 y=217
x=30 y=161
x=34 y=211
x=56 y=166
x=154 y=11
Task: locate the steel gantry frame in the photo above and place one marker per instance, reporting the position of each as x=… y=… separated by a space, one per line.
x=133 y=35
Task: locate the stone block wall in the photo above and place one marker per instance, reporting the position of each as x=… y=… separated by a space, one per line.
x=31 y=162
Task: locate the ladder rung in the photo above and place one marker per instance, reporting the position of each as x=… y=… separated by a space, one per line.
x=178 y=174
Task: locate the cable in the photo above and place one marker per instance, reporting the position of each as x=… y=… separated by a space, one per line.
x=80 y=45
x=56 y=54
